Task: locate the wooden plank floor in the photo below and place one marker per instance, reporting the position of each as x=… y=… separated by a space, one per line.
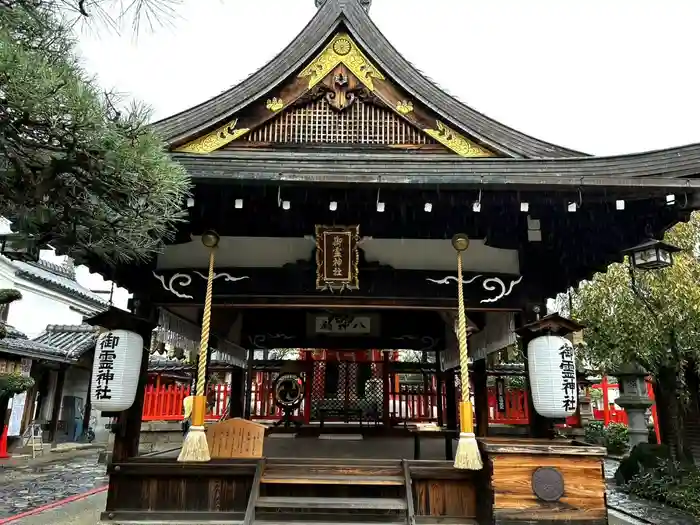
x=368 y=448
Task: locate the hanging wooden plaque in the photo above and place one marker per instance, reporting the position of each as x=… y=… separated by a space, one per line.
x=337 y=258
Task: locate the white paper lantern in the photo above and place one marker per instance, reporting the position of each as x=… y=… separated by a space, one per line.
x=552 y=366
x=115 y=370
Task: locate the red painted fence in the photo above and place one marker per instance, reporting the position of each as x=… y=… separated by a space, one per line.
x=409 y=403
x=164 y=403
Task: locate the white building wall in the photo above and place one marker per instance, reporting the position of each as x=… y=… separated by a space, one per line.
x=36 y=309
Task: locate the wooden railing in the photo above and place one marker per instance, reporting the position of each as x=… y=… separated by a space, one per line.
x=164 y=403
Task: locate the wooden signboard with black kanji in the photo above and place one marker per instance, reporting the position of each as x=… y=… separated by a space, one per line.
x=236 y=438
x=337 y=258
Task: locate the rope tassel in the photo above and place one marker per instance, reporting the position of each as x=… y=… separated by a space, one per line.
x=195 y=447
x=467 y=456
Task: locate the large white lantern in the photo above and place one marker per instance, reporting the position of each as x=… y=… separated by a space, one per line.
x=115 y=370
x=552 y=369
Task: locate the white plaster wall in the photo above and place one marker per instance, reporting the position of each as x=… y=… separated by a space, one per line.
x=35 y=310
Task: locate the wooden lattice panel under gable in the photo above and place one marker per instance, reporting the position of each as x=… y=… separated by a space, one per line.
x=362 y=123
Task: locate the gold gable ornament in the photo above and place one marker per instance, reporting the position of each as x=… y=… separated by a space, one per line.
x=214 y=140
x=456 y=142
x=342 y=50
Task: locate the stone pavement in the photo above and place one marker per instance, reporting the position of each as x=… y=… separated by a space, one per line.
x=82 y=512
x=32 y=485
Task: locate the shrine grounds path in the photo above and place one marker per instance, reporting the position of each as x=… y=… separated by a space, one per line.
x=24 y=487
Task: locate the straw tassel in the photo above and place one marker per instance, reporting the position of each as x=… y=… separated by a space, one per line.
x=467 y=456
x=195 y=447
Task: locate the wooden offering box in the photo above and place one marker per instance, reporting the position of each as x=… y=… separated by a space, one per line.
x=545 y=482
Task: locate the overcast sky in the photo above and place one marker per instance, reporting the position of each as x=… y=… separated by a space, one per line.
x=600 y=76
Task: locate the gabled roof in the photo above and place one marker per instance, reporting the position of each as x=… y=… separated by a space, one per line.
x=350 y=16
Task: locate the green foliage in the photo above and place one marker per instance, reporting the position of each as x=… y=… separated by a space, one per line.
x=644 y=456
x=11 y=384
x=614 y=437
x=9 y=295
x=75 y=170
x=595 y=432
x=621 y=328
x=668 y=482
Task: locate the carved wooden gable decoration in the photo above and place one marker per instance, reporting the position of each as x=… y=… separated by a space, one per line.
x=338 y=97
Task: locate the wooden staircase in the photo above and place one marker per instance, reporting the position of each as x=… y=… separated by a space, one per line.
x=330 y=491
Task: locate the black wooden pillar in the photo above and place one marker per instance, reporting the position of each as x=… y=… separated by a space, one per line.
x=450 y=400
x=439 y=381
x=481 y=400
x=387 y=389
x=249 y=385
x=238 y=392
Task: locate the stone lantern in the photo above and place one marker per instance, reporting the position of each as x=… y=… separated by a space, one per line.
x=635 y=400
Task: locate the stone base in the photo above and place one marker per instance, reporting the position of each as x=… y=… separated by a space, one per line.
x=157 y=436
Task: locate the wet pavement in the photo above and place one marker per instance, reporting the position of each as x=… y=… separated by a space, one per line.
x=640 y=510
x=27 y=487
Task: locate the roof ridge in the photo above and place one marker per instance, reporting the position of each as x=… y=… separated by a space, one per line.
x=328 y=18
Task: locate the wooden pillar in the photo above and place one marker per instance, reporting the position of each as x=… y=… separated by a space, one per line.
x=236 y=400
x=249 y=385
x=439 y=381
x=56 y=409
x=481 y=398
x=450 y=400
x=386 y=387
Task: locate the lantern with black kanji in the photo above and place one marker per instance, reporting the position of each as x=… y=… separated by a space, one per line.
x=115 y=370
x=552 y=373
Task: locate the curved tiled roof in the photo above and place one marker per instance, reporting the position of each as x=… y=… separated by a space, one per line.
x=16 y=342
x=664 y=168
x=60 y=278
x=350 y=14
x=71 y=340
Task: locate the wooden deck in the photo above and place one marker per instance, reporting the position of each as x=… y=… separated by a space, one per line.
x=359 y=481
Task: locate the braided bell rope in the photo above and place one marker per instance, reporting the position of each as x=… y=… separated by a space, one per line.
x=206 y=322
x=462 y=333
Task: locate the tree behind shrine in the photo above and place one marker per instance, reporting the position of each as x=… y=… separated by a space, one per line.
x=76 y=170
x=661 y=331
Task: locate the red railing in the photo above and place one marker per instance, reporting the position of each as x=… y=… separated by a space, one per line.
x=412 y=403
x=164 y=403
x=515 y=412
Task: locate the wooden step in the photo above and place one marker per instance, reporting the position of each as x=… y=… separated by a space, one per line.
x=320 y=478
x=331 y=470
x=331 y=503
x=363 y=520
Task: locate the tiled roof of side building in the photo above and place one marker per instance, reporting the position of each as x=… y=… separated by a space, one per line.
x=72 y=340
x=17 y=343
x=60 y=278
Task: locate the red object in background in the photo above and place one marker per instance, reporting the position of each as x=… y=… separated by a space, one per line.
x=3 y=445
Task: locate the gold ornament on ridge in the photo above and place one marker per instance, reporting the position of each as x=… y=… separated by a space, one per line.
x=214 y=140
x=274 y=104
x=404 y=107
x=456 y=142
x=342 y=50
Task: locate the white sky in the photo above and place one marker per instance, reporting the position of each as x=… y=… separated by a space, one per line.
x=600 y=76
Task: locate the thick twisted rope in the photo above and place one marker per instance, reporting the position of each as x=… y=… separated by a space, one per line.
x=462 y=332
x=206 y=321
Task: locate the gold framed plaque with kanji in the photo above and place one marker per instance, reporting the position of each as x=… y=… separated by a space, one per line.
x=337 y=258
